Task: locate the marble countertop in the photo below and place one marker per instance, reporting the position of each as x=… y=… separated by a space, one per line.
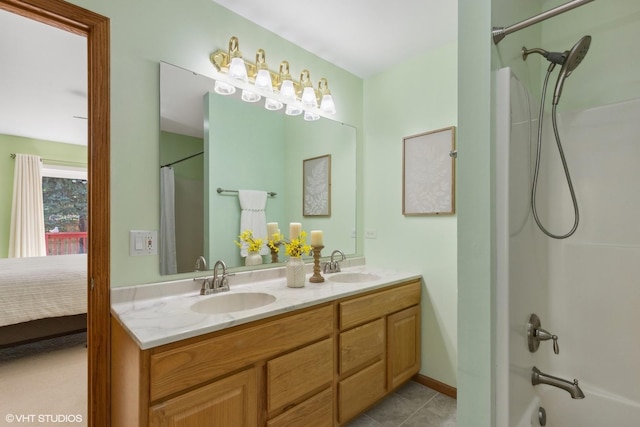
x=158 y=314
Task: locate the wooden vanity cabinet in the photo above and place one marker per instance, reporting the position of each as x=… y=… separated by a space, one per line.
x=379 y=346
x=320 y=366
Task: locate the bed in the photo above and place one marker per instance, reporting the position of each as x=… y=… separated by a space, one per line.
x=42 y=297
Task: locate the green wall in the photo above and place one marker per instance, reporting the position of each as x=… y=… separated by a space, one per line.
x=52 y=152
x=174 y=147
x=416 y=96
x=143 y=33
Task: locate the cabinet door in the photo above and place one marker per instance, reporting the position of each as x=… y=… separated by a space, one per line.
x=231 y=401
x=361 y=390
x=403 y=341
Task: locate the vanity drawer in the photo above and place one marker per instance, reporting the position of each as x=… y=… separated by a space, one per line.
x=363 y=309
x=360 y=391
x=317 y=411
x=362 y=345
x=183 y=367
x=298 y=373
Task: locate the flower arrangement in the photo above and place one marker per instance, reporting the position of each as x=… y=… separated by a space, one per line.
x=275 y=242
x=253 y=244
x=297 y=247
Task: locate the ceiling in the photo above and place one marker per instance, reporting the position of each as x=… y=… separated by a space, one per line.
x=361 y=36
x=364 y=39
x=43 y=81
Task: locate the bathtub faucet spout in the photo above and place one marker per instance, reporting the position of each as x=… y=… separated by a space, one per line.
x=539 y=377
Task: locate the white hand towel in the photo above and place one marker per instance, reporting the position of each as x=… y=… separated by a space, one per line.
x=253 y=217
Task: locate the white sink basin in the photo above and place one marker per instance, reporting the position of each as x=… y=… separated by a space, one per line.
x=229 y=303
x=355 y=277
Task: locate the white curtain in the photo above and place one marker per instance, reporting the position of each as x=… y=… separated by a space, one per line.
x=26 y=235
x=253 y=217
x=168 y=261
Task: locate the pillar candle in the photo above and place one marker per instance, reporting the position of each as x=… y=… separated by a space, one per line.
x=272 y=228
x=316 y=238
x=294 y=230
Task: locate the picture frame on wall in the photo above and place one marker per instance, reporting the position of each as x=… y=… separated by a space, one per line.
x=428 y=173
x=316 y=186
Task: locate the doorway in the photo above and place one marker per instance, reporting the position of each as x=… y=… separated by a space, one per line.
x=95 y=28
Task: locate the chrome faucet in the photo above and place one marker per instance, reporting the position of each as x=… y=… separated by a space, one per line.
x=220 y=284
x=214 y=284
x=539 y=377
x=333 y=266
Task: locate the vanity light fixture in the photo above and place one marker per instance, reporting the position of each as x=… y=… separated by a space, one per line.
x=326 y=101
x=257 y=81
x=288 y=90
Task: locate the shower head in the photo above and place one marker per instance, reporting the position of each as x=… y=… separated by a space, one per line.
x=573 y=58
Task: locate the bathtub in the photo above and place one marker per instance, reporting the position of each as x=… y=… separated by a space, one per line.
x=597 y=409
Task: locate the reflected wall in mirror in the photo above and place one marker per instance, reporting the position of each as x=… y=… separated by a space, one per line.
x=244 y=147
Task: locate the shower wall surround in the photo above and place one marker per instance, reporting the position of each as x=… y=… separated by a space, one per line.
x=584 y=287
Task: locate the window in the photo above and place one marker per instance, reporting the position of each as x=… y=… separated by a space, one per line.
x=64 y=194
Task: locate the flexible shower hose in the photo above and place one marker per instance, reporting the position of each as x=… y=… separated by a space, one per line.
x=534 y=187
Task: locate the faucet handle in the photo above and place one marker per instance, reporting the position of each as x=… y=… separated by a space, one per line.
x=535 y=334
x=544 y=335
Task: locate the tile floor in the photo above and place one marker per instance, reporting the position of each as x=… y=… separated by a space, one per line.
x=412 y=405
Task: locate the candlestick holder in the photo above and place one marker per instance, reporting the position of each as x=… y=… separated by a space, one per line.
x=317 y=277
x=274 y=252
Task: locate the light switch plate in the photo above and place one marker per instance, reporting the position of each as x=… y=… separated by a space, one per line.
x=143 y=242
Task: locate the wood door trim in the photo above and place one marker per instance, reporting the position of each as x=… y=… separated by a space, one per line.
x=96 y=29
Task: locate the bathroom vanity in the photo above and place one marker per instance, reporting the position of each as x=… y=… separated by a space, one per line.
x=316 y=356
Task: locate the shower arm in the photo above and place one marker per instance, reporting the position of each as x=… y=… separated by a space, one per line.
x=498 y=33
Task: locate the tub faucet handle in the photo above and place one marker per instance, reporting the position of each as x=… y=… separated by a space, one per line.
x=544 y=335
x=535 y=334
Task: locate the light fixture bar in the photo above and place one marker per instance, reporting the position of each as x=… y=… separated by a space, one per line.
x=275 y=98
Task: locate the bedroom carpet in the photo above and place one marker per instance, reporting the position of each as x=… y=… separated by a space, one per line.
x=45 y=383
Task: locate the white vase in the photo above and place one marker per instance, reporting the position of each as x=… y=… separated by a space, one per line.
x=253 y=258
x=295 y=272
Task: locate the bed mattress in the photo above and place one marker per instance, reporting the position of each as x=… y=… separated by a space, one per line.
x=42 y=287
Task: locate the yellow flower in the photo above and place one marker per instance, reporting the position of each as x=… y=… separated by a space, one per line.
x=246 y=236
x=275 y=242
x=297 y=247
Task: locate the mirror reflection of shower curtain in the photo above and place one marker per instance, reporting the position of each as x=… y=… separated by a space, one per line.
x=26 y=236
x=168 y=263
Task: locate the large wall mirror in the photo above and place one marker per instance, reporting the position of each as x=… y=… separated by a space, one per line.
x=210 y=142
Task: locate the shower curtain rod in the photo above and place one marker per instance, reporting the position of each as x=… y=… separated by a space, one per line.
x=220 y=190
x=66 y=162
x=499 y=33
x=181 y=160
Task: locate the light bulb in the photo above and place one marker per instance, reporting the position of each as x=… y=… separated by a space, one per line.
x=272 y=104
x=223 y=88
x=327 y=105
x=249 y=96
x=238 y=70
x=263 y=81
x=310 y=117
x=287 y=90
x=293 y=110
x=309 y=97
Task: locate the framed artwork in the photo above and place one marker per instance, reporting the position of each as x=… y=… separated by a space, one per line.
x=316 y=186
x=428 y=173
